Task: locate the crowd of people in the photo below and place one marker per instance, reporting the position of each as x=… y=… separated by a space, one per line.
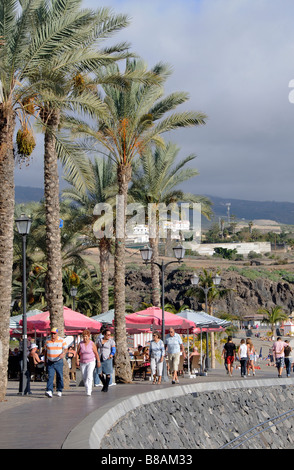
x=95 y=359
x=280 y=355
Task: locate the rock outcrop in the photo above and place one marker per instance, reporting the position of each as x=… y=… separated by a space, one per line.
x=241 y=295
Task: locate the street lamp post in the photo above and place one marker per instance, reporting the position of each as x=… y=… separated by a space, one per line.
x=216 y=282
x=23 y=225
x=146 y=254
x=73 y=293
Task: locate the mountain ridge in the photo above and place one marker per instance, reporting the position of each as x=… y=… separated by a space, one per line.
x=281 y=212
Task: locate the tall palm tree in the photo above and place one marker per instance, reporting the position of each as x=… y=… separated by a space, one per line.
x=41 y=42
x=155 y=182
x=206 y=281
x=136 y=119
x=14 y=30
x=99 y=176
x=66 y=36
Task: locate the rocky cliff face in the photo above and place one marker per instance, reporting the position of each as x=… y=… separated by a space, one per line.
x=243 y=296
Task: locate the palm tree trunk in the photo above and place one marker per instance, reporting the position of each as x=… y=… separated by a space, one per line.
x=155 y=273
x=212 y=342
x=153 y=223
x=53 y=242
x=7 y=125
x=122 y=363
x=104 y=268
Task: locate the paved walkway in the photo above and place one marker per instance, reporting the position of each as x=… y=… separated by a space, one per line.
x=36 y=422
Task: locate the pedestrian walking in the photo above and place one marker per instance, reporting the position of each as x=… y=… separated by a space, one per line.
x=106 y=350
x=229 y=353
x=174 y=346
x=156 y=354
x=242 y=354
x=87 y=355
x=55 y=350
x=279 y=355
x=250 y=356
x=288 y=357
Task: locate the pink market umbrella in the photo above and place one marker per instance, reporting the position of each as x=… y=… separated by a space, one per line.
x=153 y=316
x=74 y=322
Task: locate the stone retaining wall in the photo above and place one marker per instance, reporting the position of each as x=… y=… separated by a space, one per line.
x=206 y=420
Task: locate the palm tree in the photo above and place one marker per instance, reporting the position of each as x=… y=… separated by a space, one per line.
x=14 y=30
x=99 y=177
x=155 y=182
x=136 y=119
x=41 y=43
x=273 y=316
x=206 y=282
x=65 y=35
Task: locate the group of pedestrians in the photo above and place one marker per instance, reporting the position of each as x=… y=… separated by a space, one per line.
x=90 y=356
x=245 y=353
x=96 y=360
x=174 y=347
x=282 y=355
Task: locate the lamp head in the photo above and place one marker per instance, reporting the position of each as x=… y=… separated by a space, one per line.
x=146 y=254
x=23 y=224
x=195 y=279
x=179 y=252
x=73 y=291
x=216 y=280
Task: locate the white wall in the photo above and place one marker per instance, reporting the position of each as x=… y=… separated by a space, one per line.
x=242 y=248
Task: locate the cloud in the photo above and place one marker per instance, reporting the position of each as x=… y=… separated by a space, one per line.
x=236 y=59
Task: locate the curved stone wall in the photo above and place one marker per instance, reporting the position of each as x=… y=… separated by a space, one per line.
x=207 y=420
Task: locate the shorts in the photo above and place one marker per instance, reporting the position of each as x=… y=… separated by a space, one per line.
x=173 y=361
x=280 y=362
x=230 y=359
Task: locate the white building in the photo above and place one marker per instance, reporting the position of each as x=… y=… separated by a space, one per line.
x=242 y=248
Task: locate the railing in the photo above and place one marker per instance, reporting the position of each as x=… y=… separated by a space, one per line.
x=257 y=430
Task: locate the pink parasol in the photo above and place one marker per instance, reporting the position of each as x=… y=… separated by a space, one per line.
x=153 y=316
x=74 y=322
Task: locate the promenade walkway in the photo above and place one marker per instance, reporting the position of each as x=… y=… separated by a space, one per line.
x=36 y=422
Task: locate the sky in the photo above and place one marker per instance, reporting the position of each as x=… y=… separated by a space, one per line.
x=236 y=61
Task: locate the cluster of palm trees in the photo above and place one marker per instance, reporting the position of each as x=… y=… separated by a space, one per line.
x=55 y=74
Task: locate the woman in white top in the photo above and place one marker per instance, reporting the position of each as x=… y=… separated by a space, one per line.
x=242 y=354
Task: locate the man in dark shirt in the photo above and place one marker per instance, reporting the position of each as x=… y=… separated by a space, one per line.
x=229 y=353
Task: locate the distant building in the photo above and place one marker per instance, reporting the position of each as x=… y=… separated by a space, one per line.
x=242 y=248
x=139 y=233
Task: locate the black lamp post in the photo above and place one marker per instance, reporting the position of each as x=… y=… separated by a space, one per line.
x=73 y=293
x=146 y=254
x=23 y=225
x=216 y=282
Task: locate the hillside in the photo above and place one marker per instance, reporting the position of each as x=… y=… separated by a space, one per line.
x=24 y=194
x=281 y=212
x=248 y=289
